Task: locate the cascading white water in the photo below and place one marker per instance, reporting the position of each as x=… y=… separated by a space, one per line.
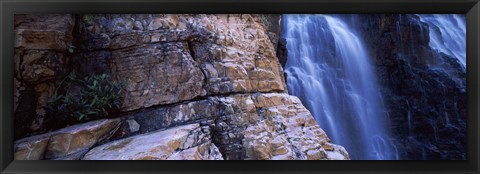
x=447 y=34
x=329 y=69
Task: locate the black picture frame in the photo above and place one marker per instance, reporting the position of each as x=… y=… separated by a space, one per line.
x=10 y=7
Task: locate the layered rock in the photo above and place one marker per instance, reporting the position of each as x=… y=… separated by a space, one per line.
x=68 y=143
x=243 y=126
x=286 y=130
x=424 y=90
x=50 y=32
x=246 y=126
x=165 y=55
x=182 y=142
x=41 y=48
x=198 y=87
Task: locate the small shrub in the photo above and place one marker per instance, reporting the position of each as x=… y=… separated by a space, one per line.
x=80 y=98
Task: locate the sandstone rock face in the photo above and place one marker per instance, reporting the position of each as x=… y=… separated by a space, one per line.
x=282 y=128
x=202 y=87
x=239 y=58
x=41 y=44
x=182 y=142
x=158 y=74
x=51 y=32
x=67 y=143
x=203 y=111
x=172 y=58
x=247 y=126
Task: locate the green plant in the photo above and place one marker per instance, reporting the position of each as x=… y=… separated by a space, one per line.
x=85 y=98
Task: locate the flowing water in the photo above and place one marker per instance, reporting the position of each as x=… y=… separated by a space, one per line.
x=447 y=34
x=329 y=69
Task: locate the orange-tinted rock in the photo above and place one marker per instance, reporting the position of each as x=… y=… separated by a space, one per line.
x=66 y=143
x=32 y=148
x=157 y=74
x=79 y=137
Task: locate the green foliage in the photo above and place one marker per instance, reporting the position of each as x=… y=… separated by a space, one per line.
x=86 y=98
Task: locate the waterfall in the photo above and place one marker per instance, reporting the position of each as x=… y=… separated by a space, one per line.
x=447 y=34
x=329 y=69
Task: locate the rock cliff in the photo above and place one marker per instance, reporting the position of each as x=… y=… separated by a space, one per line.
x=424 y=90
x=197 y=87
x=41 y=44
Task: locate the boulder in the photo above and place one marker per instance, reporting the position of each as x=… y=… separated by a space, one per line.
x=32 y=148
x=79 y=137
x=181 y=142
x=66 y=143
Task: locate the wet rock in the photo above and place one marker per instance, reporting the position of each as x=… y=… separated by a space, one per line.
x=420 y=86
